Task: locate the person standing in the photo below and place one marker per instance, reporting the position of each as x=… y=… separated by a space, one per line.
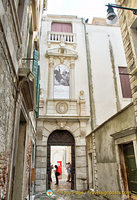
x=51 y=167
x=56 y=174
x=68 y=171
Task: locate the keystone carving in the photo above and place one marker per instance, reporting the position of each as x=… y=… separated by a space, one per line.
x=61 y=124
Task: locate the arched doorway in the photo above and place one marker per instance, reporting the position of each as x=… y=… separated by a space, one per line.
x=61 y=138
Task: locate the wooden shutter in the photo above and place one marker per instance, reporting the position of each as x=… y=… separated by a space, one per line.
x=36 y=73
x=125 y=84
x=61 y=27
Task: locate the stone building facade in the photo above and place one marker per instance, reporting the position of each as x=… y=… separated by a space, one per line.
x=64 y=99
x=128 y=24
x=69 y=112
x=18 y=39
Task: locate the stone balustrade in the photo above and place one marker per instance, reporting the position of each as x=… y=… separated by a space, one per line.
x=59 y=36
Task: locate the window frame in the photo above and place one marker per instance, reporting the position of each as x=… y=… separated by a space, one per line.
x=124 y=82
x=61 y=27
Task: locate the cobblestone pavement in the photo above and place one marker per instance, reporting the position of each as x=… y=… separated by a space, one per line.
x=69 y=195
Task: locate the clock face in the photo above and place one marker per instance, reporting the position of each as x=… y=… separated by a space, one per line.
x=61 y=82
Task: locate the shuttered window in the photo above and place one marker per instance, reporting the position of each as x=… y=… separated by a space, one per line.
x=61 y=27
x=125 y=84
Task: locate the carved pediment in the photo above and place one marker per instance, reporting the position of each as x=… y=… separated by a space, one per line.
x=62 y=51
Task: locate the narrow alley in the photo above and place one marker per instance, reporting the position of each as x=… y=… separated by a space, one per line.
x=68 y=100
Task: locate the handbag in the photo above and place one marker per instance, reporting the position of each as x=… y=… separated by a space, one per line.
x=58 y=173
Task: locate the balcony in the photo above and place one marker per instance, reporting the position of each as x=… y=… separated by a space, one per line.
x=57 y=37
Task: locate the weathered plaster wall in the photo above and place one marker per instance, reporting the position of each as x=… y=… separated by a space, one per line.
x=7 y=106
x=108 y=177
x=13 y=45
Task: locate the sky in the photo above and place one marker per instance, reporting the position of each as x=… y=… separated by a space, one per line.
x=80 y=8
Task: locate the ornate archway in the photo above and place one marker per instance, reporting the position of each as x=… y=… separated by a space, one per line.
x=61 y=138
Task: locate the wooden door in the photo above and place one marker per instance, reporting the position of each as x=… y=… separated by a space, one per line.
x=131 y=167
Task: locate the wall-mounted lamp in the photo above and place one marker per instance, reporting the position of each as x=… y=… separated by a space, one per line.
x=112 y=17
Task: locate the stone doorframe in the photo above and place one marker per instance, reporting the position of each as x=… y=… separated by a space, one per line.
x=61 y=138
x=124 y=137
x=77 y=128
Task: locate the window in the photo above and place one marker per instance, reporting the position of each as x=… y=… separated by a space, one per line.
x=61 y=82
x=125 y=84
x=61 y=27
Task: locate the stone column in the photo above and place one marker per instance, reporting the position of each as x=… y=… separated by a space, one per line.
x=81 y=166
x=51 y=78
x=95 y=163
x=72 y=80
x=41 y=162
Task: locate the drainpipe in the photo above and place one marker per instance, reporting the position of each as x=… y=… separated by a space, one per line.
x=89 y=83
x=89 y=77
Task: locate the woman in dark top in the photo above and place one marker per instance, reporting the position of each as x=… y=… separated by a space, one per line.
x=56 y=174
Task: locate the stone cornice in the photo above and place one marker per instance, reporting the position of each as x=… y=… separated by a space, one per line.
x=124 y=133
x=68 y=118
x=57 y=52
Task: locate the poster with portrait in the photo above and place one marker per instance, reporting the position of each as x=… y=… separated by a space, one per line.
x=61 y=82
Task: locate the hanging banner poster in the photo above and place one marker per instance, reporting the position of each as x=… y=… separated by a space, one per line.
x=61 y=82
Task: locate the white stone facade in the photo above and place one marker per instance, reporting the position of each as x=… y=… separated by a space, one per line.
x=71 y=114
x=89 y=52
